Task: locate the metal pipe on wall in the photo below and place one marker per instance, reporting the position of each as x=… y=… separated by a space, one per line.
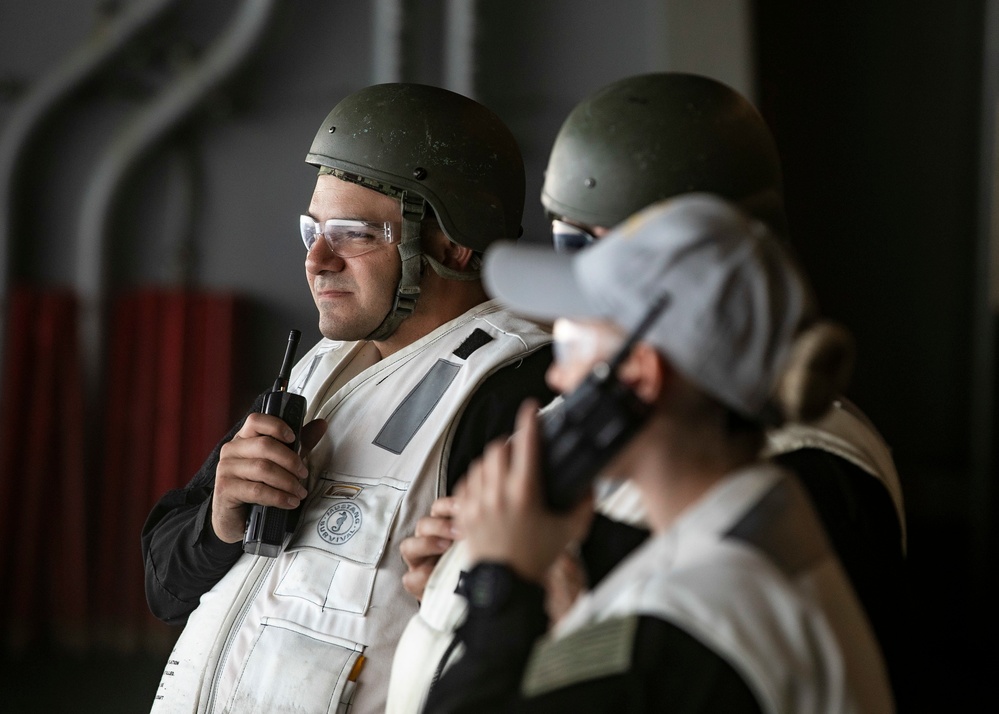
x=460 y=57
x=687 y=36
x=387 y=41
x=148 y=127
x=45 y=97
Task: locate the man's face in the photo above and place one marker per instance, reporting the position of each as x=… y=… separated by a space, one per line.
x=579 y=346
x=353 y=294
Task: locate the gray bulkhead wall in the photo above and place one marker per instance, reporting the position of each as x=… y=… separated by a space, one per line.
x=215 y=206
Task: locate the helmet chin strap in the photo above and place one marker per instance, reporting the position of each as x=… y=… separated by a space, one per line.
x=408 y=290
x=450 y=273
x=411 y=252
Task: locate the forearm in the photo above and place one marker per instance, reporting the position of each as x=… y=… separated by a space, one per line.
x=183 y=558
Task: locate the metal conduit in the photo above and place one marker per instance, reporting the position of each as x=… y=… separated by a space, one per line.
x=387 y=41
x=460 y=66
x=46 y=96
x=224 y=57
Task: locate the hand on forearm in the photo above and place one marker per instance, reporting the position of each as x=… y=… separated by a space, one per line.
x=421 y=551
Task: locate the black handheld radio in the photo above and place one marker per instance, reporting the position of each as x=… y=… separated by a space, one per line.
x=267 y=525
x=583 y=433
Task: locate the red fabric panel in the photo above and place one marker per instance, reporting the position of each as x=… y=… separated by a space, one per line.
x=140 y=460
x=168 y=390
x=213 y=383
x=68 y=534
x=36 y=478
x=111 y=484
x=173 y=396
x=169 y=393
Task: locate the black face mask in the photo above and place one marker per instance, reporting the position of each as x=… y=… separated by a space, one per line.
x=591 y=425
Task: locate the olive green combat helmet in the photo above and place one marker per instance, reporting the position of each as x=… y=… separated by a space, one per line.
x=648 y=137
x=426 y=146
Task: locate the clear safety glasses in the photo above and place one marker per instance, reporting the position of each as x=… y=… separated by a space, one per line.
x=346 y=238
x=567 y=238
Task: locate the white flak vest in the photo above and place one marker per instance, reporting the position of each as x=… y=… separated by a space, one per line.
x=427 y=647
x=747 y=571
x=314 y=629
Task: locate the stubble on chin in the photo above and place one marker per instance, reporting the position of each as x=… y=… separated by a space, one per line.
x=336 y=325
x=335 y=328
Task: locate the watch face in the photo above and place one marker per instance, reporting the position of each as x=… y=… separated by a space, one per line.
x=488 y=586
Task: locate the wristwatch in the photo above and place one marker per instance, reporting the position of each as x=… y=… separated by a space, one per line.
x=488 y=586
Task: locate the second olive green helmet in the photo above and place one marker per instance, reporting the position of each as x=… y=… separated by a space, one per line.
x=650 y=137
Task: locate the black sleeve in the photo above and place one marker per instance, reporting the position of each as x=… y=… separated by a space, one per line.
x=492 y=410
x=182 y=555
x=859 y=516
x=670 y=670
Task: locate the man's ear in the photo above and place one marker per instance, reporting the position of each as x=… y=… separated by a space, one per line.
x=446 y=252
x=646 y=372
x=456 y=257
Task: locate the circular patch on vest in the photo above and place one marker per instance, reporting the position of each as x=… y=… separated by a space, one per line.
x=339 y=523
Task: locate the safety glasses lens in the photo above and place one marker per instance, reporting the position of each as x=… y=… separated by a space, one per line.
x=567 y=238
x=346 y=238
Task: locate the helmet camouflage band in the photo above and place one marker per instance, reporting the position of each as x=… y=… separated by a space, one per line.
x=649 y=137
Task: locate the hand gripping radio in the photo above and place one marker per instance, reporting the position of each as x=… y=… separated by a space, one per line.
x=267 y=526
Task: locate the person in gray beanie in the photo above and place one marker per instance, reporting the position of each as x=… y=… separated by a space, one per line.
x=702 y=332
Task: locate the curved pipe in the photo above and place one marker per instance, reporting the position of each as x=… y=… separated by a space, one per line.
x=50 y=92
x=149 y=126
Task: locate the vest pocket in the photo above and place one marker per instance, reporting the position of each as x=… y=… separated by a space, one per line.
x=328 y=582
x=340 y=541
x=313 y=677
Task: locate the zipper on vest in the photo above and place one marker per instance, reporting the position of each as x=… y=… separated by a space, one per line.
x=248 y=593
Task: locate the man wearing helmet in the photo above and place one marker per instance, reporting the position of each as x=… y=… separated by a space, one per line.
x=416 y=372
x=628 y=145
